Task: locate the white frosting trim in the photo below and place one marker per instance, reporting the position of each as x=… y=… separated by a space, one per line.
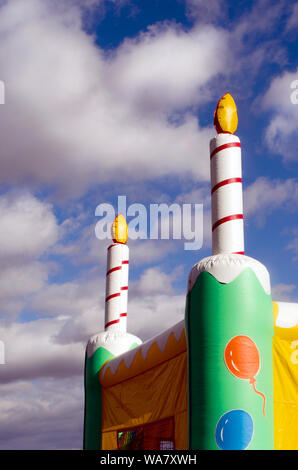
x=225 y=267
x=116 y=342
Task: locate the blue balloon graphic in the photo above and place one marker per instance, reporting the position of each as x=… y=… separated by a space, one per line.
x=234 y=430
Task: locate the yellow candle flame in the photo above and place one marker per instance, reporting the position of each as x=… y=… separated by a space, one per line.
x=119 y=230
x=225 y=115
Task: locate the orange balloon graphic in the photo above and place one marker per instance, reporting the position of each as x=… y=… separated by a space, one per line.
x=242 y=358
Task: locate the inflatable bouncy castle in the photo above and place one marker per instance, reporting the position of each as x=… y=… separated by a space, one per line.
x=225 y=377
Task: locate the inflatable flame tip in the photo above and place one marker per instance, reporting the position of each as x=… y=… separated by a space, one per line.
x=119 y=230
x=225 y=115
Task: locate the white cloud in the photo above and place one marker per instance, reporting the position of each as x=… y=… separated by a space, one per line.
x=28 y=227
x=293 y=246
x=88 y=250
x=263 y=16
x=254 y=44
x=42 y=414
x=151 y=314
x=144 y=252
x=282 y=132
x=74 y=116
x=265 y=195
x=32 y=352
x=54 y=347
x=78 y=306
x=42 y=381
x=166 y=67
x=200 y=195
x=19 y=282
x=84 y=248
x=207 y=12
x=282 y=292
x=292 y=22
x=69 y=298
x=153 y=306
x=153 y=280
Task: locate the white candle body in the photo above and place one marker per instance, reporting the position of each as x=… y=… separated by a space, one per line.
x=124 y=288
x=113 y=287
x=226 y=194
x=116 y=288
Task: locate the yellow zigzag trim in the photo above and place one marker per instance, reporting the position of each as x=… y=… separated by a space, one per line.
x=154 y=357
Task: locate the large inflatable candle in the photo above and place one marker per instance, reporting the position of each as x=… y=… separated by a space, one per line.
x=229 y=317
x=226 y=181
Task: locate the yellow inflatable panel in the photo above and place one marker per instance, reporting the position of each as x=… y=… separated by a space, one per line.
x=285 y=375
x=158 y=394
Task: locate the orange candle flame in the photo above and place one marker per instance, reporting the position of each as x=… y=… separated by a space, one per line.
x=225 y=115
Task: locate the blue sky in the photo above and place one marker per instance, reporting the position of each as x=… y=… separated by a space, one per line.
x=108 y=98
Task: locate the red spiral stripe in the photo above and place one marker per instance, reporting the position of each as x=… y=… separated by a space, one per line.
x=111 y=323
x=226 y=219
x=223 y=147
x=225 y=182
x=112 y=296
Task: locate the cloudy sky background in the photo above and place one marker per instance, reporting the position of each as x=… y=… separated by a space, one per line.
x=107 y=98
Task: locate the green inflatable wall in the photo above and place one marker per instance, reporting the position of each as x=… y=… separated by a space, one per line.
x=230 y=374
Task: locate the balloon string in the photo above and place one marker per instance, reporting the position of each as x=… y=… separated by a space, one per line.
x=252 y=382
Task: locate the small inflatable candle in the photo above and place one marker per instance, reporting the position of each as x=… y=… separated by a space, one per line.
x=117 y=277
